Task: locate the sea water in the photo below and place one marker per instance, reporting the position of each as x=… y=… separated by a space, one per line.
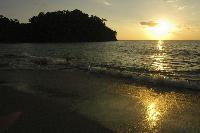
x=163 y=63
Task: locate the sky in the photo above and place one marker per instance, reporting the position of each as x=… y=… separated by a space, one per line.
x=132 y=19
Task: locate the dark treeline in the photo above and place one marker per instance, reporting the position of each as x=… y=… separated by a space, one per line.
x=60 y=26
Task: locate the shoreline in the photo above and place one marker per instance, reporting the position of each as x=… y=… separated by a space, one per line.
x=93 y=103
x=41 y=114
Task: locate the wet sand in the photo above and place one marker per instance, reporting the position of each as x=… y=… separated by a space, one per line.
x=42 y=115
x=75 y=101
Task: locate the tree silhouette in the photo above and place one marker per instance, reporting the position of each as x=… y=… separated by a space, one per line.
x=60 y=26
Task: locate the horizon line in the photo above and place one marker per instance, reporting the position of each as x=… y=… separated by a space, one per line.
x=159 y=40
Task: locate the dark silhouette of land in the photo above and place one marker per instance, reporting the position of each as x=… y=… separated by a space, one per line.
x=59 y=26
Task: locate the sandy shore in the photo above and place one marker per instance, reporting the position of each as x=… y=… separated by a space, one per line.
x=40 y=115
x=69 y=101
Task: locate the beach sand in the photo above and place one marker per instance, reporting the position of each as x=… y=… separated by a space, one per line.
x=75 y=101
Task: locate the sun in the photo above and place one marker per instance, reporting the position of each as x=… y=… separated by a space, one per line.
x=162 y=30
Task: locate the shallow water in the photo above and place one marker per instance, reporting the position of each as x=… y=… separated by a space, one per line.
x=158 y=62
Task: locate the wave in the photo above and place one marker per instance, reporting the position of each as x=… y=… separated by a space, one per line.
x=152 y=80
x=27 y=61
x=135 y=74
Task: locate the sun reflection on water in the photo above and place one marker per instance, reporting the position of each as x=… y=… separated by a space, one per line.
x=160 y=45
x=158 y=62
x=159 y=57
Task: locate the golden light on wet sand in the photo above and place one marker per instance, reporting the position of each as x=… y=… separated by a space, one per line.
x=157 y=107
x=152 y=113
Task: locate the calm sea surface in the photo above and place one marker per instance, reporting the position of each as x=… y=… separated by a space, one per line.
x=152 y=61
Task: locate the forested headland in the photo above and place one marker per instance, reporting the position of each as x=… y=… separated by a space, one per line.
x=59 y=26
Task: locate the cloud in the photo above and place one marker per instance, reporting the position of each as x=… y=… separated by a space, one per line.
x=149 y=23
x=193 y=28
x=176 y=4
x=107 y=3
x=181 y=7
x=170 y=1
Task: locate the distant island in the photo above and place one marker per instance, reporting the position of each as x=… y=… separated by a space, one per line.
x=59 y=26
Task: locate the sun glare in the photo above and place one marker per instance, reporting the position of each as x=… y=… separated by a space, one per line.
x=162 y=30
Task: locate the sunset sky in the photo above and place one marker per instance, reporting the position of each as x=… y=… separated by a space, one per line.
x=132 y=19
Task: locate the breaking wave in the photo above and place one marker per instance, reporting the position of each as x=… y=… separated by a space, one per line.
x=137 y=75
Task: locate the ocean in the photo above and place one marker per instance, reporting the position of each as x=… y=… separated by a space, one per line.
x=159 y=63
